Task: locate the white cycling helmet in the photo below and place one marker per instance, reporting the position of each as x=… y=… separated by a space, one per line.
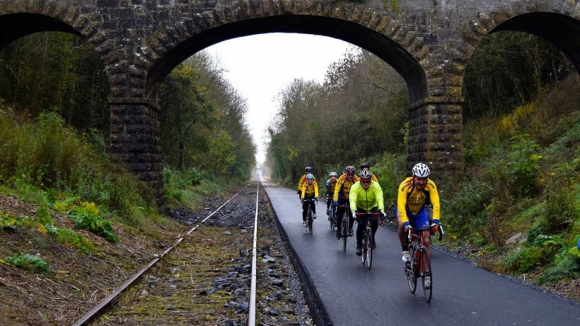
x=365 y=174
x=421 y=170
x=333 y=174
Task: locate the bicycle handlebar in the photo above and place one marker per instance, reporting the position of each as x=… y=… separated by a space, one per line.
x=439 y=229
x=368 y=213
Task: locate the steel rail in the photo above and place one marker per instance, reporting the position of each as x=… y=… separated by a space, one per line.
x=252 y=310
x=106 y=301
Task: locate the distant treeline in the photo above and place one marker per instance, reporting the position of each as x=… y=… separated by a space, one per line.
x=361 y=109
x=202 y=121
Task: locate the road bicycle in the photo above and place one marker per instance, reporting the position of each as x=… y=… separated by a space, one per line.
x=344 y=226
x=309 y=217
x=367 y=240
x=332 y=218
x=420 y=264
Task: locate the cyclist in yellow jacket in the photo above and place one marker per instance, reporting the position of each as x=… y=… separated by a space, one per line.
x=302 y=179
x=330 y=185
x=415 y=194
x=340 y=198
x=309 y=191
x=366 y=195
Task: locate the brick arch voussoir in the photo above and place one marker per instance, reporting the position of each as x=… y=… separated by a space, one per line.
x=85 y=24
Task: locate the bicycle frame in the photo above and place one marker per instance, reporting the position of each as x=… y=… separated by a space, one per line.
x=420 y=265
x=367 y=240
x=309 y=213
x=344 y=225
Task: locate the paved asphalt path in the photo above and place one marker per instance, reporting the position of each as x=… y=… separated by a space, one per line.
x=462 y=293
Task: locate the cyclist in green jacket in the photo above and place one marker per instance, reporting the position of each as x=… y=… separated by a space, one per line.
x=366 y=195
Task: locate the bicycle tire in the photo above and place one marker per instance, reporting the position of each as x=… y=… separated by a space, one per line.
x=369 y=250
x=310 y=220
x=363 y=255
x=332 y=219
x=344 y=234
x=426 y=271
x=411 y=271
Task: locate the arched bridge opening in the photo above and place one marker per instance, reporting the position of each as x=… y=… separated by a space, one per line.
x=380 y=45
x=15 y=26
x=561 y=30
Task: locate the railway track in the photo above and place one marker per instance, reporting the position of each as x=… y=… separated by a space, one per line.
x=220 y=272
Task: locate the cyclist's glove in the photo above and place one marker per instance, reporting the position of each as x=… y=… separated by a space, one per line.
x=406 y=226
x=383 y=215
x=435 y=226
x=354 y=215
x=298 y=192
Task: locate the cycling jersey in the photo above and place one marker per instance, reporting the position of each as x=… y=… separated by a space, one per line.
x=309 y=190
x=303 y=181
x=411 y=200
x=366 y=198
x=330 y=185
x=342 y=187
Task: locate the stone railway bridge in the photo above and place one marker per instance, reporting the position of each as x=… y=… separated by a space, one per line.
x=429 y=42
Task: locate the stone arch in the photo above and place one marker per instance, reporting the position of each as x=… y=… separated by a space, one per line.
x=384 y=36
x=556 y=22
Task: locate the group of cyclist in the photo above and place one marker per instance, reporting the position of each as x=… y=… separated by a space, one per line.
x=418 y=204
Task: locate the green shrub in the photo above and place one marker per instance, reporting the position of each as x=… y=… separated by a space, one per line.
x=71 y=238
x=525 y=259
x=566 y=265
x=29 y=262
x=7 y=221
x=540 y=249
x=42 y=216
x=87 y=217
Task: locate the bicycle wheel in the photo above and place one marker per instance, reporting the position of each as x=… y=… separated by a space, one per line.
x=310 y=221
x=410 y=269
x=426 y=272
x=369 y=250
x=344 y=233
x=363 y=257
x=332 y=222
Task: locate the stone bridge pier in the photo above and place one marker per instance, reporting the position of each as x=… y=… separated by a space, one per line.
x=428 y=42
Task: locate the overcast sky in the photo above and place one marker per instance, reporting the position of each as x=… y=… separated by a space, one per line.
x=260 y=66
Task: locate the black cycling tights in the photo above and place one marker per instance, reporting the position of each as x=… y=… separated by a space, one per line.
x=305 y=208
x=362 y=224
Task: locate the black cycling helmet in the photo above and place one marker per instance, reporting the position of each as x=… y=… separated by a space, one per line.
x=365 y=165
x=349 y=170
x=307 y=169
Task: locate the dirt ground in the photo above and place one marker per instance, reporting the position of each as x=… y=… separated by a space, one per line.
x=203 y=281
